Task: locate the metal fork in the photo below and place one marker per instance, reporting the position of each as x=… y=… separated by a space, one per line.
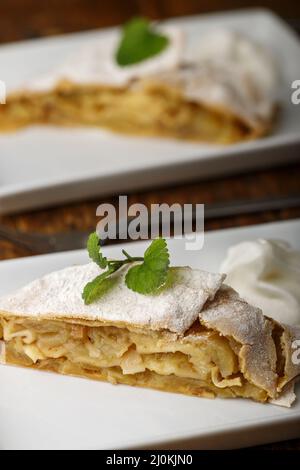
x=39 y=244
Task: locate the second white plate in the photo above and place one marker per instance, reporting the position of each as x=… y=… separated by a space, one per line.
x=44 y=166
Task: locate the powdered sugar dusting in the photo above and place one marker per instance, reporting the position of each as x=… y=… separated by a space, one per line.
x=95 y=64
x=174 y=308
x=226 y=70
x=231 y=72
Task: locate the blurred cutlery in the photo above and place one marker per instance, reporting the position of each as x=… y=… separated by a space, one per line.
x=42 y=243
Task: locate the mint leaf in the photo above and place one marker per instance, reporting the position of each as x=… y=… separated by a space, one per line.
x=152 y=274
x=93 y=246
x=95 y=289
x=139 y=42
x=144 y=278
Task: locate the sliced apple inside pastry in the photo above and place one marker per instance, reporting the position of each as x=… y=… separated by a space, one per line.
x=195 y=336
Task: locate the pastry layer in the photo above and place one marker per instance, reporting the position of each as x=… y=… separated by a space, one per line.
x=58 y=295
x=194 y=334
x=200 y=363
x=151 y=110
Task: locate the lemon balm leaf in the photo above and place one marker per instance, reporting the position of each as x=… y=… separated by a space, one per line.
x=148 y=277
x=94 y=250
x=145 y=278
x=139 y=42
x=97 y=288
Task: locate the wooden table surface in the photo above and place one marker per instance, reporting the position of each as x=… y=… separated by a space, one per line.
x=21 y=19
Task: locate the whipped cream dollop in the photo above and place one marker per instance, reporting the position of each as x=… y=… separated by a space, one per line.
x=266 y=273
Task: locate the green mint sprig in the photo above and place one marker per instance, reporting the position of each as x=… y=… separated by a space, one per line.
x=93 y=246
x=139 y=42
x=145 y=278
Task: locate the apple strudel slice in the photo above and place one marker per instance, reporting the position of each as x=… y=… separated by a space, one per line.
x=222 y=91
x=195 y=336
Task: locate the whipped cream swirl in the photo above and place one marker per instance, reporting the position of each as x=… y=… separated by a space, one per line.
x=266 y=273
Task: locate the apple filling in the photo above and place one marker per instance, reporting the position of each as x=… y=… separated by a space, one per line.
x=200 y=363
x=123 y=110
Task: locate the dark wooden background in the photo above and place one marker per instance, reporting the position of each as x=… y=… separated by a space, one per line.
x=23 y=19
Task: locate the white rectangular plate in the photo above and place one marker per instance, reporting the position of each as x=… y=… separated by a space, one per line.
x=41 y=166
x=43 y=410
